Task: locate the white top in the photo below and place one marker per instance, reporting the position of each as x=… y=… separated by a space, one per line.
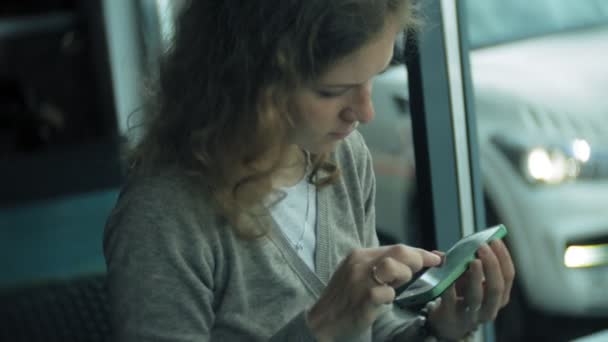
x=296 y=215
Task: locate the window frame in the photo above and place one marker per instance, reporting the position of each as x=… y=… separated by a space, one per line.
x=444 y=126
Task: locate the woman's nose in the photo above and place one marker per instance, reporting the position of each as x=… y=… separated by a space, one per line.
x=363 y=105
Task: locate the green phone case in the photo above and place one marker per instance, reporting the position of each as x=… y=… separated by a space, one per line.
x=435 y=280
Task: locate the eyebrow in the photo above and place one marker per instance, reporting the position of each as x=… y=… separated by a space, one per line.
x=351 y=85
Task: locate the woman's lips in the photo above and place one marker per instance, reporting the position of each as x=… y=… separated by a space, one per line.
x=344 y=134
x=340 y=135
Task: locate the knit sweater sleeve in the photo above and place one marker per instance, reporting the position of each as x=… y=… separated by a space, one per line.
x=160 y=288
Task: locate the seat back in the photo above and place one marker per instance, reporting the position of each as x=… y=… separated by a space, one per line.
x=63 y=311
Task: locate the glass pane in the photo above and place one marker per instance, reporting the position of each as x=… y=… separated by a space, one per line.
x=389 y=138
x=542 y=119
x=58 y=160
x=41 y=47
x=493 y=21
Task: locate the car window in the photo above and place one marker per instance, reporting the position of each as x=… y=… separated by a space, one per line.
x=495 y=21
x=164 y=12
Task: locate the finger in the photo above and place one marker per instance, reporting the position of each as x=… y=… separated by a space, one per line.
x=414 y=258
x=376 y=279
x=452 y=305
x=495 y=285
x=373 y=299
x=473 y=289
x=449 y=298
x=366 y=255
x=380 y=295
x=462 y=283
x=392 y=272
x=358 y=255
x=507 y=267
x=441 y=254
x=430 y=259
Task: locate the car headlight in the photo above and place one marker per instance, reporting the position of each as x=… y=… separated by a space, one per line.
x=578 y=256
x=581 y=150
x=551 y=166
x=549 y=162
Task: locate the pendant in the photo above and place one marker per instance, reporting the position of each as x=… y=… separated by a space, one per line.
x=299 y=247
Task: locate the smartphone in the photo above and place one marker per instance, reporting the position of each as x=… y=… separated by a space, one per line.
x=432 y=282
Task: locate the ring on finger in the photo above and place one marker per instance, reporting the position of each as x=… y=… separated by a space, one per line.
x=473 y=314
x=468 y=308
x=375 y=277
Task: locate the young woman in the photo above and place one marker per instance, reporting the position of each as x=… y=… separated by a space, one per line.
x=249 y=210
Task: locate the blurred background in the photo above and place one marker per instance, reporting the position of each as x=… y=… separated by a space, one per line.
x=71 y=74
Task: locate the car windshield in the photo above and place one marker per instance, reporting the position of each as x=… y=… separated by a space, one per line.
x=496 y=21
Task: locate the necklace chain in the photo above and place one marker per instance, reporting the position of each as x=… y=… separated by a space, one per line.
x=299 y=245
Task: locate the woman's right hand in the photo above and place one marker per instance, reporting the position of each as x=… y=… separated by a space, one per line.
x=363 y=282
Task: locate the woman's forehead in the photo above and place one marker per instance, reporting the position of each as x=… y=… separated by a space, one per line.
x=364 y=63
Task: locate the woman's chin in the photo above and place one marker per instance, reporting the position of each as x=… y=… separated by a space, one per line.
x=322 y=146
x=327 y=147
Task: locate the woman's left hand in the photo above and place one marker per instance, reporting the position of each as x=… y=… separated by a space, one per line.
x=477 y=296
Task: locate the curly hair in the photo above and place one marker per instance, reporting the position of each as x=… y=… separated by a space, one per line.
x=221 y=101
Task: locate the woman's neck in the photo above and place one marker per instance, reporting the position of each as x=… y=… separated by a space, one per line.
x=292 y=170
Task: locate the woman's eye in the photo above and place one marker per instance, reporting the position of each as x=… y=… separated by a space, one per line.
x=329 y=93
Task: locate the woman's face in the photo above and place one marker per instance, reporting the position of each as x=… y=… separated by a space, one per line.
x=328 y=109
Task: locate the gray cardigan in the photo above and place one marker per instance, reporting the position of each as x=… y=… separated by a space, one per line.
x=176 y=274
